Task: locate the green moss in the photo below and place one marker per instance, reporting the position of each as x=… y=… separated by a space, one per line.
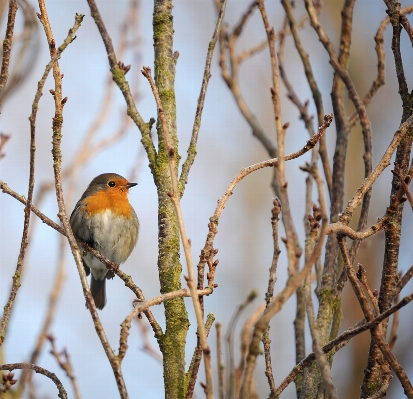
x=118 y=76
x=162 y=23
x=409 y=132
x=327 y=296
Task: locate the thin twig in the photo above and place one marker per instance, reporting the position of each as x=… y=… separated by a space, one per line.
x=185 y=242
x=183 y=180
x=147 y=345
x=344 y=337
x=232 y=388
x=7 y=44
x=26 y=49
x=369 y=181
x=110 y=265
x=28 y=202
x=404 y=185
x=323 y=364
x=344 y=75
x=270 y=292
x=280 y=130
x=13 y=366
x=65 y=365
x=192 y=372
x=227 y=42
x=57 y=160
x=220 y=363
x=142 y=306
x=245 y=337
x=376 y=333
x=51 y=311
x=404 y=280
x=317 y=97
x=394 y=327
x=361 y=275
x=214 y=220
x=276 y=305
x=3 y=141
x=118 y=76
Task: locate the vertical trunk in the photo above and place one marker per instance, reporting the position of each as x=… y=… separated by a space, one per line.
x=169 y=266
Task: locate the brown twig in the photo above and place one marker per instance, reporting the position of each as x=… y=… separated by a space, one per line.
x=147 y=345
x=279 y=182
x=406 y=25
x=270 y=292
x=7 y=44
x=13 y=366
x=26 y=49
x=317 y=97
x=220 y=363
x=404 y=185
x=394 y=327
x=51 y=311
x=207 y=250
x=245 y=337
x=142 y=306
x=394 y=13
x=323 y=364
x=344 y=75
x=276 y=305
x=376 y=333
x=261 y=46
x=192 y=372
x=119 y=78
x=369 y=181
x=361 y=275
x=344 y=337
x=339 y=228
x=404 y=280
x=227 y=42
x=3 y=140
x=16 y=278
x=110 y=265
x=57 y=158
x=65 y=364
x=229 y=337
x=385 y=382
x=185 y=242
x=186 y=167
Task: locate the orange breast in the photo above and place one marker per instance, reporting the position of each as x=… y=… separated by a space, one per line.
x=115 y=200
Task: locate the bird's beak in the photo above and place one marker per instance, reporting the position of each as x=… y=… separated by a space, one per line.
x=129 y=185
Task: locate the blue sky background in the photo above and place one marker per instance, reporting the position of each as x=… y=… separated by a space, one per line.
x=225 y=145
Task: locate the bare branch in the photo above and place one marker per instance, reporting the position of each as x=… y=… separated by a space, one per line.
x=65 y=364
x=345 y=337
x=7 y=43
x=16 y=279
x=186 y=167
x=13 y=366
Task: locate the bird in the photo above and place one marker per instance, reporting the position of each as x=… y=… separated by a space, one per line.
x=104 y=219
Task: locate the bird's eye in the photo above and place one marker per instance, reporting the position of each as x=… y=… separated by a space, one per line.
x=111 y=184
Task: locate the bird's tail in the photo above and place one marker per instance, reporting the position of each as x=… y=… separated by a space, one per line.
x=98 y=289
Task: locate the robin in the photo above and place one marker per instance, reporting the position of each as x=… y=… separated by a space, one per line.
x=105 y=219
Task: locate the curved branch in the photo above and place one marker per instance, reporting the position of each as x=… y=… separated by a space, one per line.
x=214 y=219
x=39 y=370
